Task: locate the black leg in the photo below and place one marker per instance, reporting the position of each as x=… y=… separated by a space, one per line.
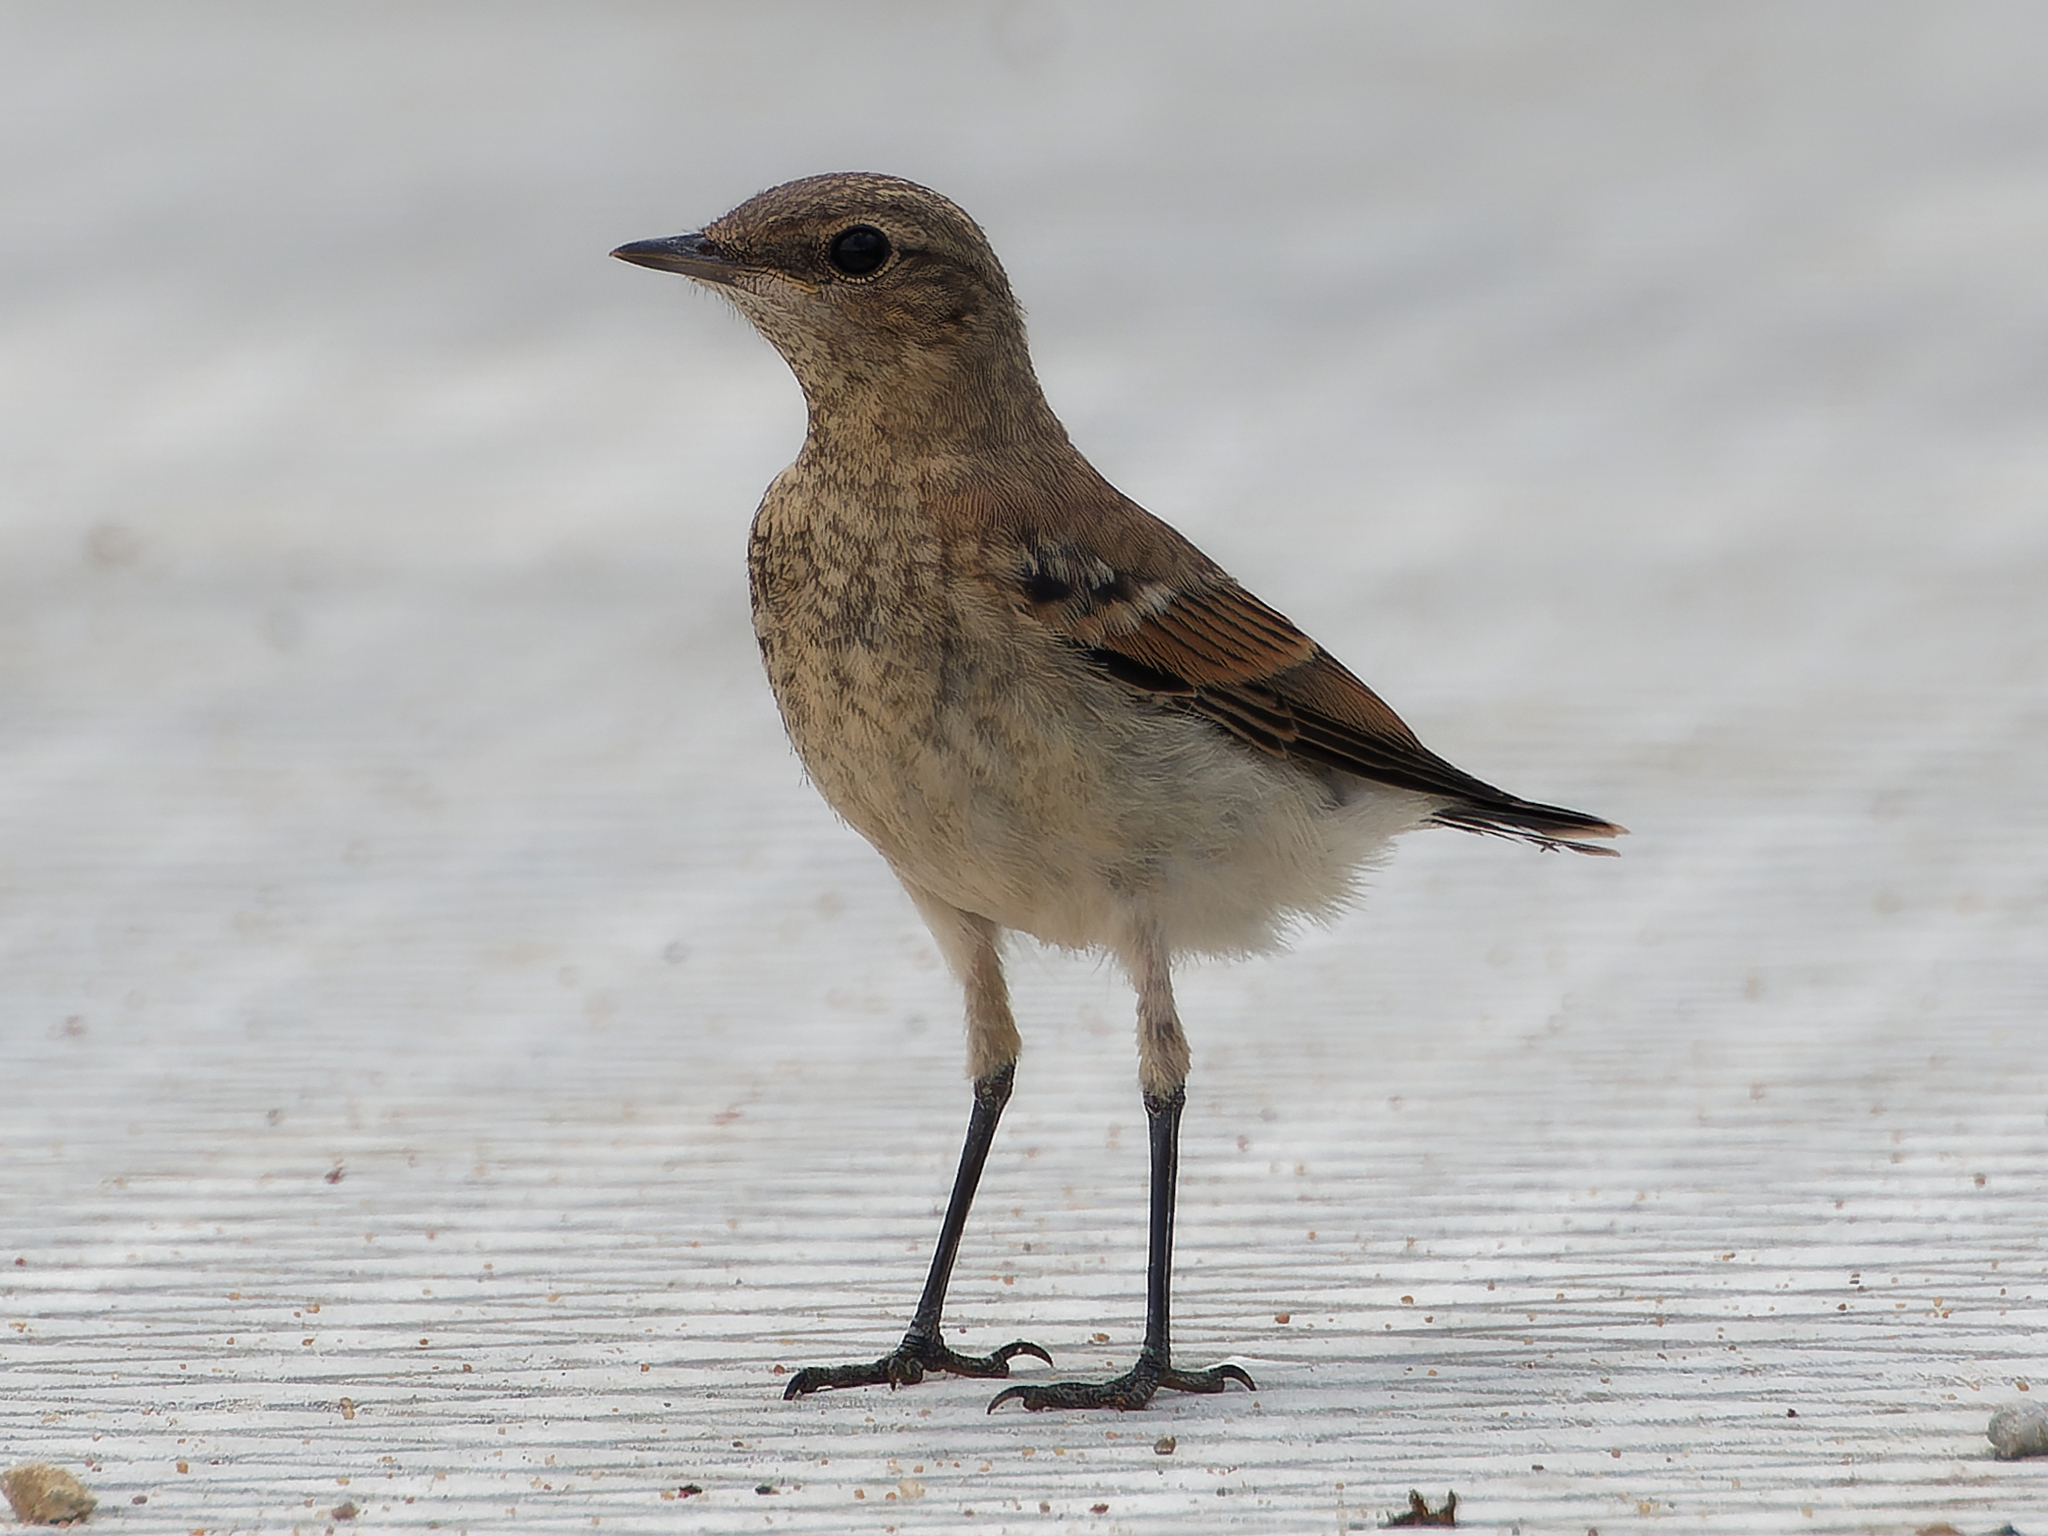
x=923 y=1348
x=1155 y=1367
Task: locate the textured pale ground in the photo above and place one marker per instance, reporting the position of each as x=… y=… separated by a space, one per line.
x=428 y=983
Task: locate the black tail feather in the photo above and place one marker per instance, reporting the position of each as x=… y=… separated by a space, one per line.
x=1529 y=822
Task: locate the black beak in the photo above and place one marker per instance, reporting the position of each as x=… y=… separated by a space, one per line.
x=692 y=255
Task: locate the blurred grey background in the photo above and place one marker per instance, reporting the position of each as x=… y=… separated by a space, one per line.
x=1648 y=399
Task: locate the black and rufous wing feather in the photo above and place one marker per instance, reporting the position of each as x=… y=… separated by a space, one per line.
x=1231 y=659
x=1178 y=628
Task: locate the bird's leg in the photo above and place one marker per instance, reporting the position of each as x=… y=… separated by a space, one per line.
x=1162 y=1054
x=923 y=1348
x=991 y=1033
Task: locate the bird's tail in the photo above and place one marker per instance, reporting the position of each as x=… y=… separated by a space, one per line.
x=1547 y=826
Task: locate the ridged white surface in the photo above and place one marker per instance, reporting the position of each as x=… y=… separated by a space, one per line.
x=427 y=982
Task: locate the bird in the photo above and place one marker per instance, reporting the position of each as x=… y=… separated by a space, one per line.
x=1050 y=713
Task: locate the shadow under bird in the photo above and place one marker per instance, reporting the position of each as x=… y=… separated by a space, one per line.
x=1048 y=711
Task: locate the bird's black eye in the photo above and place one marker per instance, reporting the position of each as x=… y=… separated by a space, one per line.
x=859 y=250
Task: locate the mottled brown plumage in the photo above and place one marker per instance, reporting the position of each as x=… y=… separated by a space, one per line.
x=1046 y=709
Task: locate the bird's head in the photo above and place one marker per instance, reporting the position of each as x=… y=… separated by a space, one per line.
x=881 y=295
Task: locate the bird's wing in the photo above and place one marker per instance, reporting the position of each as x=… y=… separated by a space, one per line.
x=1149 y=609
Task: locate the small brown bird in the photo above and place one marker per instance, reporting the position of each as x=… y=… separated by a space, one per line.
x=1045 y=708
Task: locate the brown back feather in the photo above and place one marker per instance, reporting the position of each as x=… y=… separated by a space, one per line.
x=1154 y=612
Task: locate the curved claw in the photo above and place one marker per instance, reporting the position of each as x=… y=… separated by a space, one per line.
x=1215 y=1379
x=1013 y=1349
x=906 y=1365
x=817 y=1378
x=1132 y=1390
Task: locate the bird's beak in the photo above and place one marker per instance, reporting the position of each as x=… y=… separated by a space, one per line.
x=692 y=255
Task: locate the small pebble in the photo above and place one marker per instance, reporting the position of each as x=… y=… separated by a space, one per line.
x=43 y=1495
x=2021 y=1431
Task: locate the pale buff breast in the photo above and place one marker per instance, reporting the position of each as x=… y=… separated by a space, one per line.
x=993 y=766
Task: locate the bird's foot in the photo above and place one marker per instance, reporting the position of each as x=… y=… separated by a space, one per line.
x=905 y=1366
x=1133 y=1389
